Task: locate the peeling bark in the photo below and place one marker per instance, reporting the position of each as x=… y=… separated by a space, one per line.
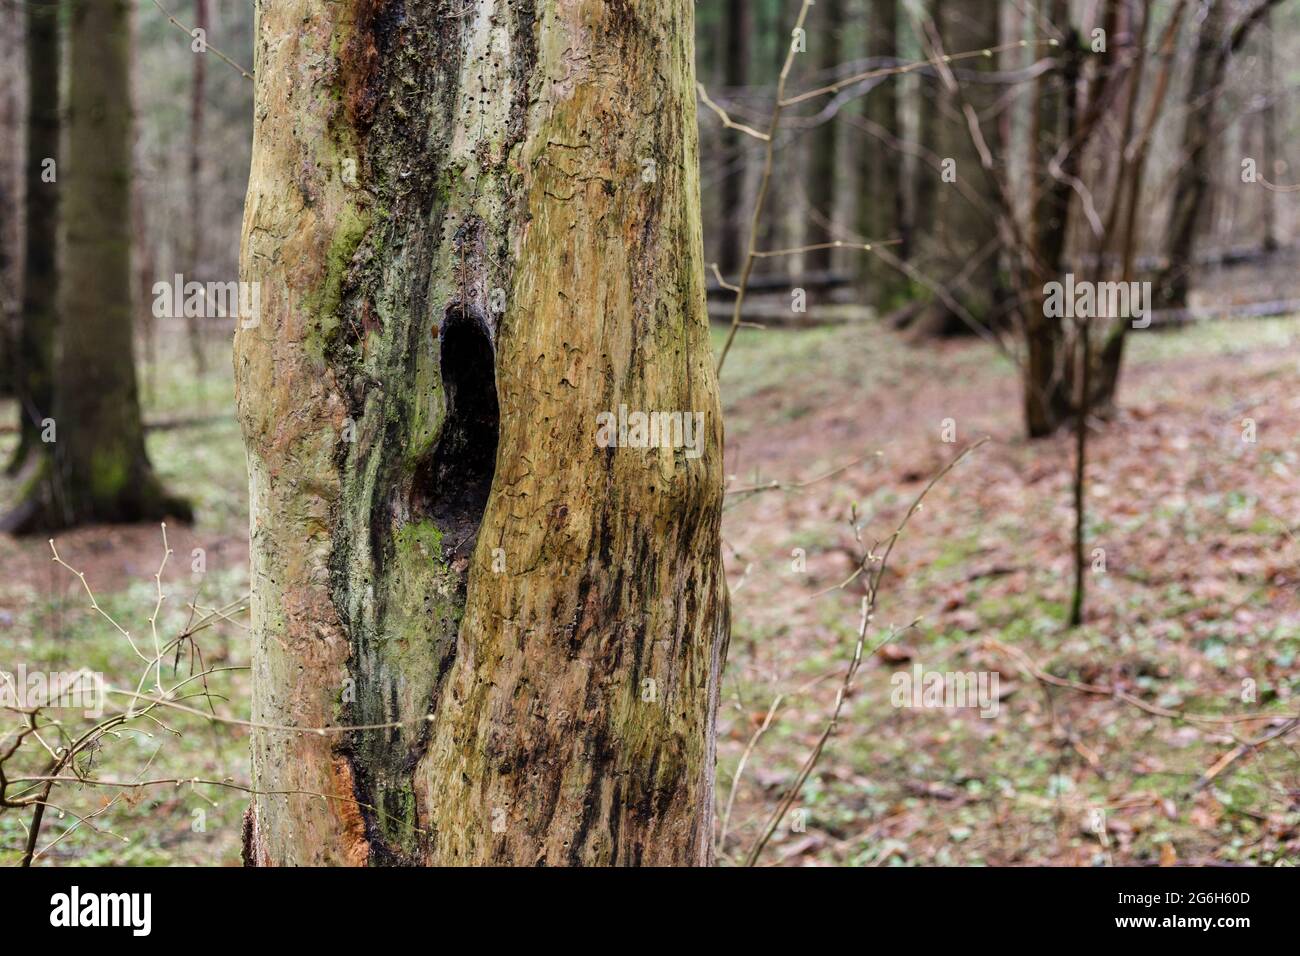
x=476 y=226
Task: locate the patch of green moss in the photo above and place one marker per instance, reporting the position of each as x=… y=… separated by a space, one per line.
x=422 y=606
x=422 y=536
x=397 y=814
x=108 y=474
x=324 y=303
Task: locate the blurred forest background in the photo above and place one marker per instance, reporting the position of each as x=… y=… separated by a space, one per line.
x=1161 y=150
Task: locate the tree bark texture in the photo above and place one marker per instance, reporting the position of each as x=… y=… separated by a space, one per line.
x=475 y=226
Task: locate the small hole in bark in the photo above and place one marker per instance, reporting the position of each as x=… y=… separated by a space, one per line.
x=453 y=483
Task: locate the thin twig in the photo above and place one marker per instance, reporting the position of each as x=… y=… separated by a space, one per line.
x=189 y=32
x=869 y=603
x=727 y=121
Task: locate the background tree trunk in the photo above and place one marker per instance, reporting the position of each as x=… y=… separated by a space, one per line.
x=98 y=470
x=1046 y=377
x=34 y=358
x=1268 y=136
x=738 y=26
x=1192 y=185
x=12 y=168
x=880 y=198
x=825 y=44
x=193 y=261
x=1193 y=193
x=926 y=183
x=437 y=538
x=776 y=229
x=965 y=252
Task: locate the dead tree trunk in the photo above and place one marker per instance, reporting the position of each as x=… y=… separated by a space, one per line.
x=473 y=236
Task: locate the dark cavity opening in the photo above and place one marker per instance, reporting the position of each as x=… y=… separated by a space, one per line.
x=453 y=483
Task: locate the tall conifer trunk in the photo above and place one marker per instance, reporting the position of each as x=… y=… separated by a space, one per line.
x=95 y=468
x=34 y=356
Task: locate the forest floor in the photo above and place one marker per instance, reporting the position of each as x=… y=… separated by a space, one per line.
x=1200 y=594
x=1197 y=611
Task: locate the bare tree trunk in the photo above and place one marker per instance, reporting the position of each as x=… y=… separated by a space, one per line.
x=739 y=26
x=1192 y=186
x=473 y=235
x=34 y=357
x=98 y=470
x=824 y=165
x=1046 y=397
x=775 y=228
x=12 y=167
x=1192 y=190
x=194 y=188
x=145 y=270
x=880 y=198
x=1130 y=183
x=926 y=183
x=1268 y=137
x=965 y=250
x=1083 y=358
